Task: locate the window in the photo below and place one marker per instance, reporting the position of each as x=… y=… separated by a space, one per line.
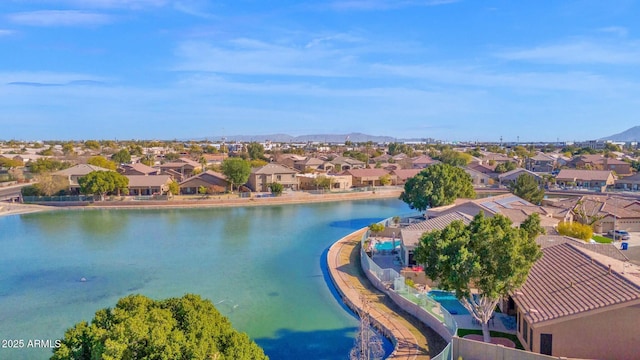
x=525 y=332
x=530 y=339
x=278 y=177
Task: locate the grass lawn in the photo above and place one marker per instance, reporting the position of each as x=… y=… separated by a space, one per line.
x=601 y=239
x=512 y=337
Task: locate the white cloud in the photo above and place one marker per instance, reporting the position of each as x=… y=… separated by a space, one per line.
x=5 y=32
x=250 y=56
x=59 y=18
x=578 y=52
x=99 y=4
x=615 y=30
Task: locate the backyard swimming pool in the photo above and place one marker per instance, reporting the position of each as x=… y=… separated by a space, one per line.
x=448 y=301
x=386 y=245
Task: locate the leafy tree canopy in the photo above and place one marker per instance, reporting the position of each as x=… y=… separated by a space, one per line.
x=437 y=185
x=46 y=165
x=454 y=158
x=276 y=188
x=256 y=151
x=488 y=254
x=505 y=166
x=102 y=162
x=92 y=145
x=102 y=183
x=236 y=170
x=141 y=328
x=121 y=157
x=527 y=188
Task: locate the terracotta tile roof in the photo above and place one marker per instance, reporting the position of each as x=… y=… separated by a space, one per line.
x=517 y=172
x=140 y=167
x=609 y=250
x=423 y=160
x=148 y=180
x=567 y=281
x=272 y=169
x=412 y=233
x=588 y=175
x=404 y=174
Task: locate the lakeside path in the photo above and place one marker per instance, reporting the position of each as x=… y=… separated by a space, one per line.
x=222 y=201
x=415 y=340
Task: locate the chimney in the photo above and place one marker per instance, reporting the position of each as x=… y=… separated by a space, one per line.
x=609 y=268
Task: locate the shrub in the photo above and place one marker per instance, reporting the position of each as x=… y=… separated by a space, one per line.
x=576 y=230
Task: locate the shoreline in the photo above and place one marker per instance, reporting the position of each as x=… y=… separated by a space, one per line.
x=7 y=209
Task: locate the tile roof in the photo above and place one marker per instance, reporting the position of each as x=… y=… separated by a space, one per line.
x=411 y=234
x=140 y=167
x=609 y=250
x=79 y=170
x=517 y=172
x=571 y=174
x=148 y=180
x=404 y=174
x=365 y=172
x=567 y=281
x=272 y=169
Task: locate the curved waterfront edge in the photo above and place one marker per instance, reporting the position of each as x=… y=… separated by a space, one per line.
x=389 y=323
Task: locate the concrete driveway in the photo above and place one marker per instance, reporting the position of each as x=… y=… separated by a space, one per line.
x=633 y=252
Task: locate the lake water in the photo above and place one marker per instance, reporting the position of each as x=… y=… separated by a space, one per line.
x=261 y=266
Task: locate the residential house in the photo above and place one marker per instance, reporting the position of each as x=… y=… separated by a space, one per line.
x=214 y=182
x=604 y=212
x=309 y=164
x=541 y=162
x=137 y=169
x=289 y=160
x=402 y=175
x=580 y=304
x=261 y=177
x=513 y=175
x=479 y=179
x=422 y=162
x=589 y=179
x=338 y=182
x=73 y=173
x=346 y=163
x=215 y=159
x=148 y=184
x=628 y=183
x=599 y=162
x=368 y=177
x=180 y=169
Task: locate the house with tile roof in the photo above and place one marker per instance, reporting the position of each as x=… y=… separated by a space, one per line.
x=309 y=164
x=580 y=304
x=338 y=182
x=213 y=181
x=148 y=184
x=180 y=169
x=587 y=179
x=541 y=162
x=423 y=161
x=73 y=173
x=605 y=212
x=600 y=162
x=137 y=169
x=478 y=178
x=513 y=175
x=368 y=177
x=402 y=175
x=628 y=183
x=347 y=163
x=261 y=177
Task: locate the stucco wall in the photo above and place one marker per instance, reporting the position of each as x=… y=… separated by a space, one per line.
x=607 y=335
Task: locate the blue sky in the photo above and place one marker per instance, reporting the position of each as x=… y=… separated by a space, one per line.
x=536 y=70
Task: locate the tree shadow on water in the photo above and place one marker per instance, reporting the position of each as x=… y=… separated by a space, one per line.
x=318 y=344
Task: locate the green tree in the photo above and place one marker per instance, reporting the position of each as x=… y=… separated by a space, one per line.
x=527 y=188
x=505 y=166
x=256 y=151
x=92 y=145
x=454 y=158
x=141 y=328
x=9 y=163
x=276 y=188
x=102 y=162
x=236 y=170
x=437 y=185
x=174 y=188
x=376 y=228
x=385 y=179
x=575 y=230
x=488 y=254
x=257 y=163
x=68 y=148
x=171 y=156
x=102 y=183
x=323 y=182
x=121 y=157
x=46 y=152
x=43 y=165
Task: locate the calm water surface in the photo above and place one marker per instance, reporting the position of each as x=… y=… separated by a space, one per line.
x=261 y=266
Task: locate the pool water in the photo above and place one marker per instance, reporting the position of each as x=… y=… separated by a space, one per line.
x=448 y=301
x=386 y=245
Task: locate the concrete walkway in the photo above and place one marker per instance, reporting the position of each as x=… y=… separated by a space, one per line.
x=414 y=339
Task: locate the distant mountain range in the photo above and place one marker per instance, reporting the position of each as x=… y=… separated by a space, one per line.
x=632 y=134
x=325 y=138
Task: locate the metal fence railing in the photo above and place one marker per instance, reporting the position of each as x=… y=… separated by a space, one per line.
x=75 y=198
x=398 y=285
